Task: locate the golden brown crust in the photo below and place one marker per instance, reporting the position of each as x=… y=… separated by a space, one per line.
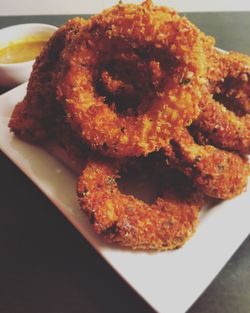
x=124 y=219
x=33 y=120
x=218 y=173
x=131 y=78
x=133 y=27
x=224 y=120
x=220 y=127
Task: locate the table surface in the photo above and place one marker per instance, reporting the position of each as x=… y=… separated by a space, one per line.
x=49 y=267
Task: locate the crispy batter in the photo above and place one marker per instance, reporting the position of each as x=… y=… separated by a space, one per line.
x=25 y=125
x=115 y=86
x=34 y=118
x=218 y=173
x=224 y=120
x=129 y=81
x=67 y=142
x=124 y=219
x=233 y=89
x=142 y=28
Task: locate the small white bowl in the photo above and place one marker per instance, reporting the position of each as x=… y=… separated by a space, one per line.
x=16 y=73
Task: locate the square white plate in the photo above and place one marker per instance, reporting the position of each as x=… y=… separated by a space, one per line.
x=168 y=281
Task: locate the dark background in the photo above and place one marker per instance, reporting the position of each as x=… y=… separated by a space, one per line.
x=47 y=266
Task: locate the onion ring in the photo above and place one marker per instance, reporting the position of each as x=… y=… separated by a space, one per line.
x=128 y=221
x=225 y=112
x=34 y=118
x=138 y=28
x=218 y=173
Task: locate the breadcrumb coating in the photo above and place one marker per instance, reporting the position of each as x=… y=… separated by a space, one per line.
x=225 y=120
x=126 y=220
x=34 y=118
x=133 y=80
x=218 y=173
x=140 y=28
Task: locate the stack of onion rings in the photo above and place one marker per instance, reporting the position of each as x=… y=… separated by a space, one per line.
x=144 y=86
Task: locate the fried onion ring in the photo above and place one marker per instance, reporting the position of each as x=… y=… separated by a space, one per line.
x=218 y=173
x=142 y=29
x=124 y=219
x=34 y=118
x=225 y=112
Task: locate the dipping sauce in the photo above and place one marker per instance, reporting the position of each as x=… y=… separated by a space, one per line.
x=23 y=50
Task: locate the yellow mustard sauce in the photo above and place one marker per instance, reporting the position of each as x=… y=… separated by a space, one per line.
x=23 y=50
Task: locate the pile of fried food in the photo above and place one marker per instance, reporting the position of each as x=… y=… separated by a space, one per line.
x=139 y=90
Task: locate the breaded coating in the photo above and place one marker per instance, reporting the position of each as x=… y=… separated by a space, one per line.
x=233 y=89
x=70 y=145
x=33 y=119
x=123 y=219
x=220 y=127
x=143 y=85
x=153 y=34
x=224 y=120
x=25 y=125
x=218 y=173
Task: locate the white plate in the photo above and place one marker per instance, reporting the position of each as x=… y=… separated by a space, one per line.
x=168 y=281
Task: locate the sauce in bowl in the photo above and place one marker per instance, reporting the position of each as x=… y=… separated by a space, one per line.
x=19 y=47
x=22 y=50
